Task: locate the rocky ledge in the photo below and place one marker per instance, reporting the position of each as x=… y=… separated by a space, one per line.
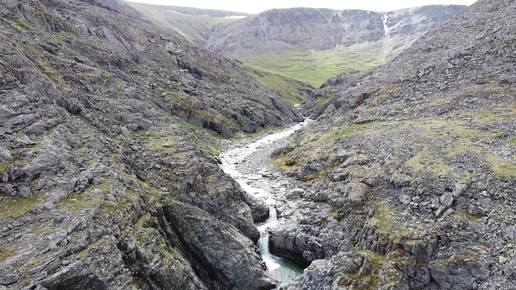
x=408 y=175
x=108 y=137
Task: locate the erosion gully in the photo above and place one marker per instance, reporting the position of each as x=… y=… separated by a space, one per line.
x=249 y=164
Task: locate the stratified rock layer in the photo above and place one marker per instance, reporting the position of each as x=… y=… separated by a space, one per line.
x=409 y=173
x=108 y=178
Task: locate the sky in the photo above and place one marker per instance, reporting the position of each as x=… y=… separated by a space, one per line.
x=256 y=6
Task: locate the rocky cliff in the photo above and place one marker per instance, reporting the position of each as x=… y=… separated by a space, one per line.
x=313 y=45
x=324 y=29
x=108 y=178
x=409 y=173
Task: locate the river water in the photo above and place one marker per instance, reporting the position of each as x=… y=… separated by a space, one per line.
x=249 y=165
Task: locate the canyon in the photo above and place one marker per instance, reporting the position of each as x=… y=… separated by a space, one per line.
x=141 y=153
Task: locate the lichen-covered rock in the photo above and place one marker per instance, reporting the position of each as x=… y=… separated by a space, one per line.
x=105 y=121
x=423 y=146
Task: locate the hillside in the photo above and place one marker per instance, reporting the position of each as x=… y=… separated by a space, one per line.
x=290 y=89
x=408 y=173
x=313 y=45
x=196 y=25
x=109 y=133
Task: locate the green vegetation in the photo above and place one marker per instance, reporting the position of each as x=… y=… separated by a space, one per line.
x=323 y=100
x=64 y=36
x=464 y=214
x=424 y=160
x=48 y=70
x=4 y=167
x=85 y=75
x=183 y=99
x=287 y=87
x=78 y=201
x=372 y=257
x=501 y=167
x=6 y=253
x=17 y=207
x=348 y=131
x=316 y=67
x=147 y=235
x=21 y=24
x=382 y=218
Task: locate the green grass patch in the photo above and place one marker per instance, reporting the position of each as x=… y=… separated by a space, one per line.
x=382 y=218
x=6 y=253
x=287 y=87
x=424 y=160
x=346 y=132
x=316 y=67
x=464 y=214
x=78 y=201
x=501 y=167
x=4 y=167
x=49 y=71
x=21 y=24
x=19 y=206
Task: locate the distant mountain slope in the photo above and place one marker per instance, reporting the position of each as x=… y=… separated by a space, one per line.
x=315 y=44
x=196 y=25
x=277 y=30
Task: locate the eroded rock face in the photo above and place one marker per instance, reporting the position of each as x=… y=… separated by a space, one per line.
x=414 y=171
x=221 y=250
x=304 y=29
x=107 y=126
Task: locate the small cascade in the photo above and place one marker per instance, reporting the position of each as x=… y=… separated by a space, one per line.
x=386 y=28
x=280 y=269
x=263 y=243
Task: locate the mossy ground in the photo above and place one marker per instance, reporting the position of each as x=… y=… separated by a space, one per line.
x=435 y=143
x=316 y=67
x=17 y=207
x=501 y=167
x=382 y=218
x=4 y=167
x=21 y=24
x=6 y=253
x=287 y=87
x=48 y=70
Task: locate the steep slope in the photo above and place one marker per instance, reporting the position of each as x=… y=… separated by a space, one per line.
x=315 y=44
x=409 y=173
x=291 y=90
x=108 y=178
x=196 y=25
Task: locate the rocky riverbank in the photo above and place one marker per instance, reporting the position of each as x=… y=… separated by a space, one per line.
x=409 y=174
x=250 y=165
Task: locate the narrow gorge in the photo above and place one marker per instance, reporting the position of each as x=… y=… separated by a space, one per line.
x=376 y=151
x=251 y=166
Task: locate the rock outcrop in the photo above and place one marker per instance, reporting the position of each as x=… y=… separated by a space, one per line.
x=108 y=175
x=409 y=171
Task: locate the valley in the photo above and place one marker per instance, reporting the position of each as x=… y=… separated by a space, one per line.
x=163 y=147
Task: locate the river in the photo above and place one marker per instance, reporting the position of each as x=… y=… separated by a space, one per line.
x=249 y=164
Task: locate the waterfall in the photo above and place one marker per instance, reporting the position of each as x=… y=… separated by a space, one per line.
x=256 y=185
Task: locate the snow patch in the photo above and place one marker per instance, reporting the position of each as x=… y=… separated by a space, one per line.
x=235 y=17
